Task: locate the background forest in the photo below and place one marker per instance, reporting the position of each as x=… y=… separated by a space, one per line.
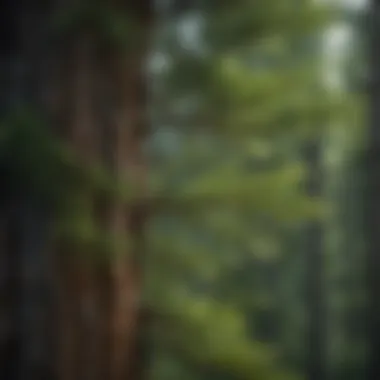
x=197 y=211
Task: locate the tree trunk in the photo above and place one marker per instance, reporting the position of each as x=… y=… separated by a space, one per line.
x=100 y=307
x=372 y=212
x=315 y=277
x=25 y=216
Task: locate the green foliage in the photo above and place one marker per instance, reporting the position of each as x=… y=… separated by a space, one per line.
x=272 y=101
x=235 y=190
x=232 y=25
x=219 y=331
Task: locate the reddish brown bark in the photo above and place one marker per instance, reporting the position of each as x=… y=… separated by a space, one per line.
x=127 y=75
x=100 y=307
x=77 y=285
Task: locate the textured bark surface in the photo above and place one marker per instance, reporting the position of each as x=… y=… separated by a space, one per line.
x=100 y=306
